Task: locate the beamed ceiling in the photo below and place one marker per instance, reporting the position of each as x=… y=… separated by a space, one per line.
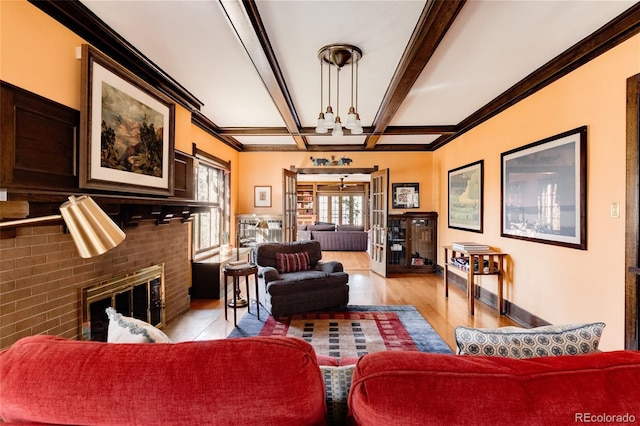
x=430 y=71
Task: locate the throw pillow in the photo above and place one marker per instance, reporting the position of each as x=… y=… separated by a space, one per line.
x=516 y=342
x=337 y=382
x=132 y=330
x=293 y=262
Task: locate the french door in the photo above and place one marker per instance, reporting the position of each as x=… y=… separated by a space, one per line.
x=289 y=211
x=379 y=212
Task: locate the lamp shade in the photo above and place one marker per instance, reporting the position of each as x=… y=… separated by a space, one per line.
x=92 y=230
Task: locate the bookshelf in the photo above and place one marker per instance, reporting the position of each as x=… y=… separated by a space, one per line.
x=305 y=199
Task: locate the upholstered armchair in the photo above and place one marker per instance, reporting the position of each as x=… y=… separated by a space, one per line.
x=294 y=279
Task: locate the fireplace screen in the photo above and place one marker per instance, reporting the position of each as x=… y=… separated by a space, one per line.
x=139 y=295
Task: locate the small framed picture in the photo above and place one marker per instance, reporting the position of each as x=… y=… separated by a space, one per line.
x=406 y=195
x=262 y=196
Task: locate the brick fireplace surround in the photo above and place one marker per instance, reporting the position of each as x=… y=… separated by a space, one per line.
x=41 y=274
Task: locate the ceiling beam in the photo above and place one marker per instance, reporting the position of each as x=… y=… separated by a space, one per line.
x=435 y=20
x=311 y=131
x=615 y=32
x=199 y=119
x=338 y=148
x=245 y=20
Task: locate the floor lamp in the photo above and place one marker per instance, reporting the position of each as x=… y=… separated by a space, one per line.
x=92 y=230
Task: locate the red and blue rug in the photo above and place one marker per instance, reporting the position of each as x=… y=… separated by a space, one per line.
x=349 y=332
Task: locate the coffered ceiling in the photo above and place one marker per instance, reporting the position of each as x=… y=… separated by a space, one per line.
x=430 y=70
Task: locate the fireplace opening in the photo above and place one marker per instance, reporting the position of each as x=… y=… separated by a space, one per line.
x=139 y=294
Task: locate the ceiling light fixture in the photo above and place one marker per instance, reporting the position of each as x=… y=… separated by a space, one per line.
x=337 y=56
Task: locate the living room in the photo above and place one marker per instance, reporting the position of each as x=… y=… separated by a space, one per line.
x=554 y=283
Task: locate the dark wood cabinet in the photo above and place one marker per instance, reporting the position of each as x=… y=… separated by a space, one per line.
x=206 y=274
x=412 y=242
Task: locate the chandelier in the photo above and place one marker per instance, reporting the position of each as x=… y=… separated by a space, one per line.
x=337 y=56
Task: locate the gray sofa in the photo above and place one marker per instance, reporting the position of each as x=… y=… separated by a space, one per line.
x=336 y=237
x=324 y=285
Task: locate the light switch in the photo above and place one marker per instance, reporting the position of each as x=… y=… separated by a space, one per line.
x=615 y=209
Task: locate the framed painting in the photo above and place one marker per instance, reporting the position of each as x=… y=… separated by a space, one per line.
x=466 y=207
x=406 y=195
x=544 y=190
x=262 y=196
x=126 y=130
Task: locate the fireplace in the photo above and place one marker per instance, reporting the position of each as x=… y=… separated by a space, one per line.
x=139 y=294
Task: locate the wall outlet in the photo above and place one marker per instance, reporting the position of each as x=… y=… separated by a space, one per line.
x=615 y=209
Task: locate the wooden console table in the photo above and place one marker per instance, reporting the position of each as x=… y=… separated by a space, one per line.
x=495 y=267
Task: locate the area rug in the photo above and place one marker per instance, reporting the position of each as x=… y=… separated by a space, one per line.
x=349 y=332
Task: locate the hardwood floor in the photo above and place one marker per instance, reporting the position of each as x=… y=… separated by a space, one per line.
x=206 y=320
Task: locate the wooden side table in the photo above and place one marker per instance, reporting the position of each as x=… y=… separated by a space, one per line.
x=495 y=267
x=236 y=274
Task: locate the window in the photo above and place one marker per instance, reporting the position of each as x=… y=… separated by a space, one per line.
x=211 y=228
x=341 y=209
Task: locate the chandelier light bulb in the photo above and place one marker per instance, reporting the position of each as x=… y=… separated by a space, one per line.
x=351 y=119
x=320 y=127
x=357 y=129
x=328 y=118
x=337 y=128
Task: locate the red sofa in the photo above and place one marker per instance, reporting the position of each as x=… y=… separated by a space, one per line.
x=278 y=381
x=45 y=379
x=413 y=388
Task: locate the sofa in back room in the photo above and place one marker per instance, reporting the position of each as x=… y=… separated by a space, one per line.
x=336 y=237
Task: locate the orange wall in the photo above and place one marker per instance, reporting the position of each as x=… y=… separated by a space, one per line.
x=265 y=168
x=38 y=54
x=560 y=285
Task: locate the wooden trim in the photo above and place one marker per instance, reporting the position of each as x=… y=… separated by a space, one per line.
x=199 y=120
x=245 y=20
x=615 y=32
x=513 y=311
x=433 y=24
x=333 y=170
x=79 y=19
x=632 y=214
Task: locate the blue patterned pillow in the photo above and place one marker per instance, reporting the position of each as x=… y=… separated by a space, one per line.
x=521 y=343
x=337 y=382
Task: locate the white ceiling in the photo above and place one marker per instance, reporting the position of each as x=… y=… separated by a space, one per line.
x=490 y=46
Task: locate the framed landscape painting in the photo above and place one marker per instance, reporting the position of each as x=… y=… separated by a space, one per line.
x=465 y=197
x=544 y=187
x=127 y=130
